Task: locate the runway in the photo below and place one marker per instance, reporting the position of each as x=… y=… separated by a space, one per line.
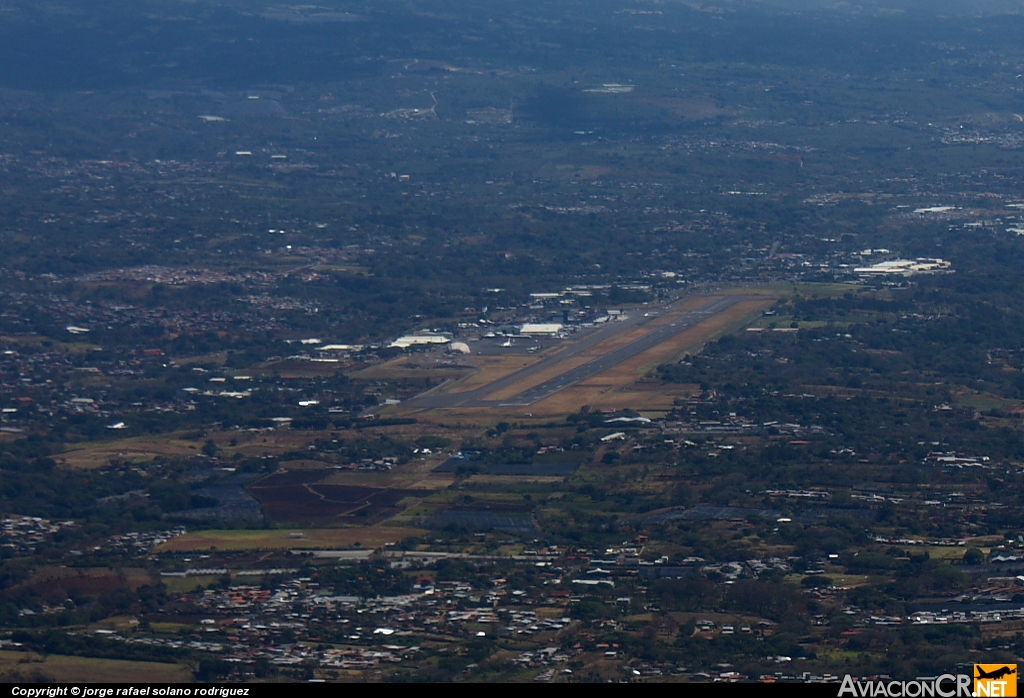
x=572 y=376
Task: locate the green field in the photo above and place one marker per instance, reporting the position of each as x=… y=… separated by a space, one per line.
x=29 y=666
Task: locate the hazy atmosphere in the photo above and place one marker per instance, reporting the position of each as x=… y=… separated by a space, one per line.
x=460 y=341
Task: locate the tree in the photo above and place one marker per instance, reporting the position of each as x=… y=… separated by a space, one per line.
x=973 y=556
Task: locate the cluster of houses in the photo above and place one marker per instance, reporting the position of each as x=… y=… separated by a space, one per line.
x=22 y=535
x=285 y=625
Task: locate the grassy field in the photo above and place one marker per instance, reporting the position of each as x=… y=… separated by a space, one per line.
x=987 y=401
x=22 y=666
x=324 y=538
x=782 y=288
x=415 y=366
x=946 y=552
x=412 y=476
x=849 y=580
x=183 y=585
x=180 y=445
x=513 y=480
x=611 y=396
x=142 y=448
x=54 y=579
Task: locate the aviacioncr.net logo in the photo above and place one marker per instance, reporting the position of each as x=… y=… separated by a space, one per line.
x=945 y=686
x=995 y=680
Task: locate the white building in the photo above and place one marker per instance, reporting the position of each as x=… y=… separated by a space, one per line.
x=904 y=267
x=419 y=340
x=541 y=328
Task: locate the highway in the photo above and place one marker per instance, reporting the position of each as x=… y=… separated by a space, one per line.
x=478 y=397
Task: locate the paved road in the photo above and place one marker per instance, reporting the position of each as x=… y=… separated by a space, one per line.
x=477 y=398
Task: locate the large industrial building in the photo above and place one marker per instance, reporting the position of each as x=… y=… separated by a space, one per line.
x=548 y=329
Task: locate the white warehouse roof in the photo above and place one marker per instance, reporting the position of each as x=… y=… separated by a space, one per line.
x=905 y=267
x=413 y=340
x=541 y=328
